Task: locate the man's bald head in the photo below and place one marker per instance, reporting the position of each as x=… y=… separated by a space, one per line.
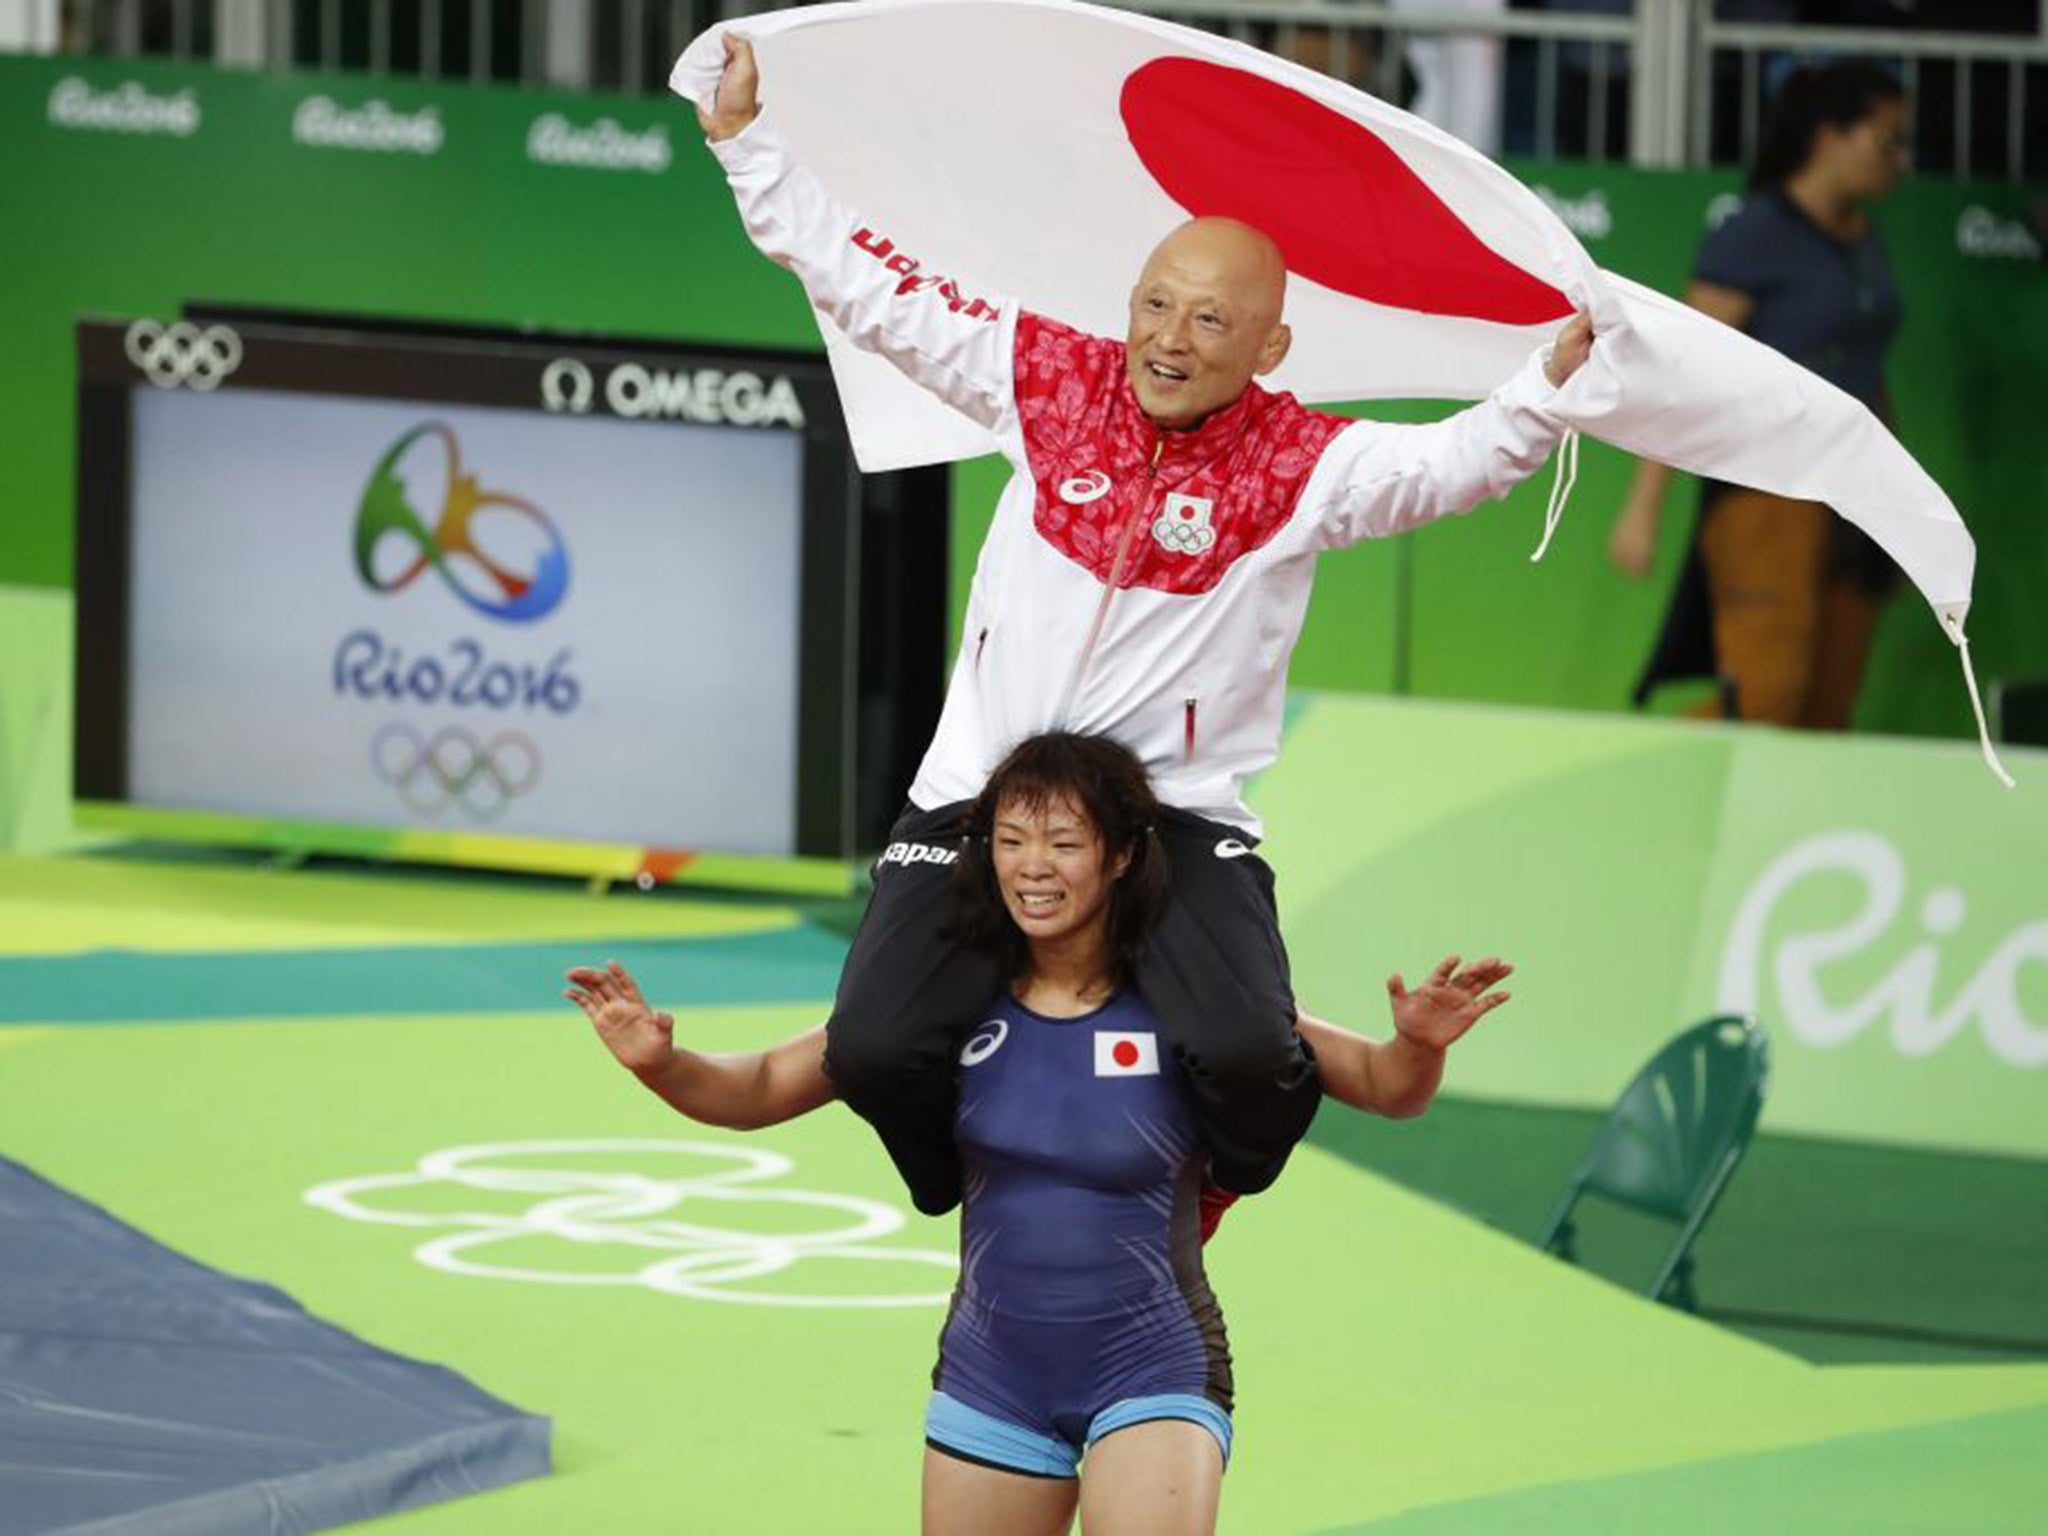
x=1205 y=318
x=1240 y=258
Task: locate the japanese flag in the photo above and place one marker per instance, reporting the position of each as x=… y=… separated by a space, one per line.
x=1039 y=149
x=1126 y=1055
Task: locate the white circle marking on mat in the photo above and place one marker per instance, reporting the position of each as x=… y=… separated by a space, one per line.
x=629 y=1208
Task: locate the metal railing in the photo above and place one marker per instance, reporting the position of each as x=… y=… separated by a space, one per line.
x=1666 y=84
x=1949 y=79
x=1366 y=44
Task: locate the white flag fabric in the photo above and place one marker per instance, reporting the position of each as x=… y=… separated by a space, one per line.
x=1039 y=149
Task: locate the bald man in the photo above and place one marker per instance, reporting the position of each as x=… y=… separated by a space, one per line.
x=1145 y=578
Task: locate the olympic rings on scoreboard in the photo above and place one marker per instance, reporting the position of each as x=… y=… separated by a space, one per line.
x=454 y=767
x=199 y=357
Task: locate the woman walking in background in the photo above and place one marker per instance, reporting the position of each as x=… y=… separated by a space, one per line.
x=1780 y=598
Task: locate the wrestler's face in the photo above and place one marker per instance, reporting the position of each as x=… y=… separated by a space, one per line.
x=1205 y=318
x=1051 y=867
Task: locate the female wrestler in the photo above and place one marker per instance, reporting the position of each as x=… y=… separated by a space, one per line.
x=1082 y=1322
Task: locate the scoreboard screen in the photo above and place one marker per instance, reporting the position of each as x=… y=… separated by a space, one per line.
x=505 y=590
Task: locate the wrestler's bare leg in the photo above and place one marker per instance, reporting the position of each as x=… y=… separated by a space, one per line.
x=1163 y=1477
x=962 y=1498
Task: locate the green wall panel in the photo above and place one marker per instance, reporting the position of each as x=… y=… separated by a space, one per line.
x=1876 y=904
x=237 y=211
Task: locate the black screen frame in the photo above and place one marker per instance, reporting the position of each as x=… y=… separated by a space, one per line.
x=375 y=358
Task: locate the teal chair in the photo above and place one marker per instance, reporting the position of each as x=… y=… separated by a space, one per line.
x=1671 y=1142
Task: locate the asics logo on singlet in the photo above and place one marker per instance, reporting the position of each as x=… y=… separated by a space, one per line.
x=917 y=853
x=986 y=1042
x=1082 y=489
x=1231 y=848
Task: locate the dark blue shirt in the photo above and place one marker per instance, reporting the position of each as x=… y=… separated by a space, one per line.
x=1830 y=305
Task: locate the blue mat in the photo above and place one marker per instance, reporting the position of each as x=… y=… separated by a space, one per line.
x=143 y=1394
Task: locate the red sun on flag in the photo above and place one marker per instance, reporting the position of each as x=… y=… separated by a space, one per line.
x=1345 y=209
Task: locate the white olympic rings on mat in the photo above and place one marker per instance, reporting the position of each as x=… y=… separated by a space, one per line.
x=612 y=1204
x=183 y=353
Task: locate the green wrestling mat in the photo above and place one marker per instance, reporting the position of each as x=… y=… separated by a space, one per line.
x=734 y=1333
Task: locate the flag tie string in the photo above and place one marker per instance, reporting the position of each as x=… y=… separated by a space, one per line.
x=1567 y=473
x=1955 y=633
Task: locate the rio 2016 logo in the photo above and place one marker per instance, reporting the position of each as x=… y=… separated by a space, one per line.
x=425 y=465
x=1905 y=997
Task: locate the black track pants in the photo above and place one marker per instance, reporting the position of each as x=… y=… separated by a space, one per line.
x=1215 y=971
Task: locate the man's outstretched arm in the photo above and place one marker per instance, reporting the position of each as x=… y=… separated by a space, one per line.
x=1379 y=478
x=955 y=343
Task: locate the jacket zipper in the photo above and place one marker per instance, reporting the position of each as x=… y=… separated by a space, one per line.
x=1116 y=571
x=1188 y=744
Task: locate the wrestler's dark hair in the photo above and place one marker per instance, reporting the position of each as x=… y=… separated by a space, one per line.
x=1838 y=95
x=1107 y=784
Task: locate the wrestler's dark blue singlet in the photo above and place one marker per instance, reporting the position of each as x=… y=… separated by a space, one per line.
x=1082 y=1306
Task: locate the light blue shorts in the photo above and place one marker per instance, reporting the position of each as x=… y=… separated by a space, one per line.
x=968 y=1433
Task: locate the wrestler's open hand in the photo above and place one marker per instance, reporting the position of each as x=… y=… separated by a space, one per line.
x=641 y=1038
x=1449 y=1003
x=1574 y=344
x=737 y=101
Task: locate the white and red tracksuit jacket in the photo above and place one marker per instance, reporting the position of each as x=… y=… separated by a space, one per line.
x=1143 y=584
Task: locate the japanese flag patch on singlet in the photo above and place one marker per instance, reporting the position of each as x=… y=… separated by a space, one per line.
x=1126 y=1054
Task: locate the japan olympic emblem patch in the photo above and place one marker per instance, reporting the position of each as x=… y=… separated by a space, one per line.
x=1183 y=527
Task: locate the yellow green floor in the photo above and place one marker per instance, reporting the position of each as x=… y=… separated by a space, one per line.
x=197 y=1045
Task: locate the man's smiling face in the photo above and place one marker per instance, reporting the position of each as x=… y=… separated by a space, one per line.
x=1205 y=318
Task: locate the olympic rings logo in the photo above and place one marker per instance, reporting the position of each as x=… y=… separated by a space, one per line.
x=390 y=508
x=452 y=767
x=1184 y=538
x=648 y=1214
x=183 y=353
